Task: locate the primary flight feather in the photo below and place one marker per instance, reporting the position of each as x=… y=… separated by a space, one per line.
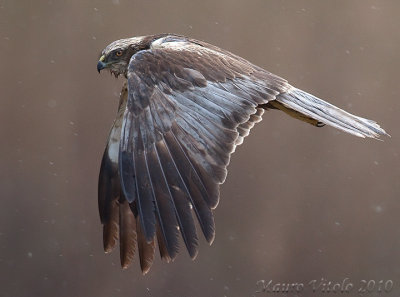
x=183 y=109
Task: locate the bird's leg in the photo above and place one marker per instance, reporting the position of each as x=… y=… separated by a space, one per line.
x=293 y=113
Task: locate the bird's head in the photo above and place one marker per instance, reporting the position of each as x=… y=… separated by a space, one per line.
x=116 y=56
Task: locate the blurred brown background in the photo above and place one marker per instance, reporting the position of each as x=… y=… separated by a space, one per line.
x=300 y=203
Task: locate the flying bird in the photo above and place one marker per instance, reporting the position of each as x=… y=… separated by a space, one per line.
x=184 y=107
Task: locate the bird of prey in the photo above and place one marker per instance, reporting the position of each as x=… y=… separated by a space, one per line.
x=184 y=107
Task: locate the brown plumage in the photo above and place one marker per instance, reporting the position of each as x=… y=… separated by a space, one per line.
x=184 y=108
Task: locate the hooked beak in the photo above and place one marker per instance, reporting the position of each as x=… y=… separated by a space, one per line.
x=101 y=65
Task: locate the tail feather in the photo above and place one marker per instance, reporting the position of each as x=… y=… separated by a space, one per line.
x=329 y=114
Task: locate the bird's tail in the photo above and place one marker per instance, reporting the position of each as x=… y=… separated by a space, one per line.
x=296 y=102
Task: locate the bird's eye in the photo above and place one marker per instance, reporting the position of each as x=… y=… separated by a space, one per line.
x=118 y=53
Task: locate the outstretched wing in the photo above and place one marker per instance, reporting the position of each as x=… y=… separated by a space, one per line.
x=187 y=104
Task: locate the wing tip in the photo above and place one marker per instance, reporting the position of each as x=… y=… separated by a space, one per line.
x=193 y=255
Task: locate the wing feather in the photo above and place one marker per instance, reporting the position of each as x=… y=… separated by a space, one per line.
x=128 y=236
x=146 y=248
x=145 y=195
x=244 y=128
x=108 y=203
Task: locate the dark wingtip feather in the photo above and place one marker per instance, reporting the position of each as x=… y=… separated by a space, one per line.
x=193 y=253
x=111 y=229
x=210 y=238
x=105 y=193
x=127 y=234
x=108 y=192
x=162 y=246
x=146 y=249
